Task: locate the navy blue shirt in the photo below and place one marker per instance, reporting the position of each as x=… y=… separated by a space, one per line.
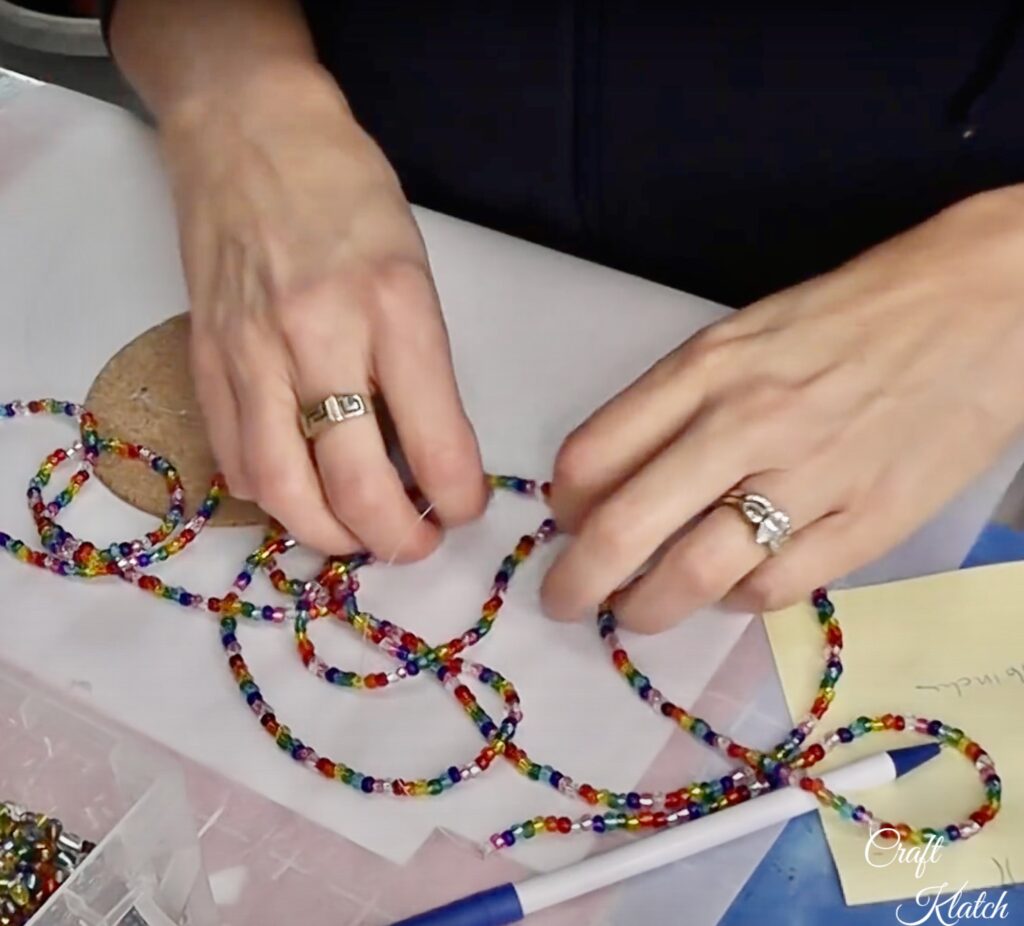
x=727 y=149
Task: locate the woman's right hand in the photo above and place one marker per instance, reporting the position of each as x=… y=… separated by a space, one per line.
x=308 y=276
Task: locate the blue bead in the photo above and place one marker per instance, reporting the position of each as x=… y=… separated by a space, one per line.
x=412 y=669
x=332 y=675
x=556 y=777
x=644 y=691
x=228 y=639
x=252 y=697
x=267 y=612
x=845 y=736
x=367 y=784
x=953 y=832
x=488 y=729
x=727 y=784
x=696 y=811
x=4 y=539
x=632 y=800
x=454 y=774
x=934 y=727
x=509 y=839
x=597 y=825
x=486 y=676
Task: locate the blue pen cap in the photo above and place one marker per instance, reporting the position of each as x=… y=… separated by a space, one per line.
x=494 y=907
x=907 y=759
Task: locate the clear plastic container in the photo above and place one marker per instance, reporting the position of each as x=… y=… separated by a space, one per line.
x=146 y=869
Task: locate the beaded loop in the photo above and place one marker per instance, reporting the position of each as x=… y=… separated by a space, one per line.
x=333 y=592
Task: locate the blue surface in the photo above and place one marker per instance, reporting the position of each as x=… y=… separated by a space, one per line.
x=796 y=883
x=497 y=906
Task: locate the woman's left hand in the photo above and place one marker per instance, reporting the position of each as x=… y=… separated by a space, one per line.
x=857 y=402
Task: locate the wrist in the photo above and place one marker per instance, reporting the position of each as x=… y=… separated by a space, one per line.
x=288 y=89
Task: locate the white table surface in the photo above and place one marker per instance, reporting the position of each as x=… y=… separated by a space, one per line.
x=88 y=259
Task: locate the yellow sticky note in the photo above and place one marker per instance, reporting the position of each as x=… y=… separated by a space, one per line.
x=947 y=647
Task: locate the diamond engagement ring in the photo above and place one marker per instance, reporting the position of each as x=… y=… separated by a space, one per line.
x=772 y=526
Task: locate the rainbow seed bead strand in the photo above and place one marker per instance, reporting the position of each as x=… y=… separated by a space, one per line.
x=332 y=592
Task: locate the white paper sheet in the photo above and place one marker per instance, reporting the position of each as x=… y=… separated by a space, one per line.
x=88 y=260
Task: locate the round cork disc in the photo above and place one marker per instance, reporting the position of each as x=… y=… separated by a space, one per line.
x=144 y=395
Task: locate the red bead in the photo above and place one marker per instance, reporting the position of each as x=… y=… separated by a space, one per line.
x=982 y=815
x=899 y=723
x=815 y=754
x=660 y=820
x=972 y=752
x=588 y=793
x=325 y=767
x=620 y=657
x=463 y=695
x=564 y=825
x=674 y=800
